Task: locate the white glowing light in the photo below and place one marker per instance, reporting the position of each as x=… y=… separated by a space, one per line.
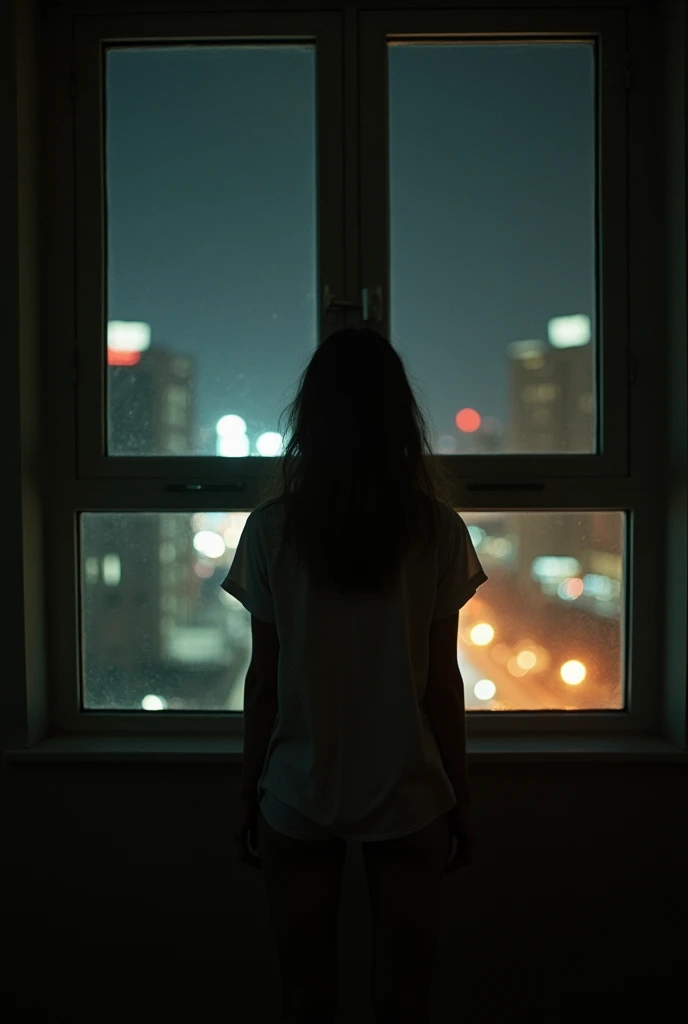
x=482 y=634
x=233 y=447
x=269 y=443
x=112 y=570
x=555 y=566
x=209 y=543
x=128 y=335
x=230 y=425
x=484 y=689
x=573 y=672
x=569 y=331
x=151 y=702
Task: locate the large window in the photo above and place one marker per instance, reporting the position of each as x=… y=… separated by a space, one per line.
x=242 y=185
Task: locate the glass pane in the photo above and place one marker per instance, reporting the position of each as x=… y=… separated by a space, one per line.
x=211 y=235
x=492 y=214
x=544 y=633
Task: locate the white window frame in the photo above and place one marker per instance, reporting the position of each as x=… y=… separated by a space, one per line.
x=353 y=252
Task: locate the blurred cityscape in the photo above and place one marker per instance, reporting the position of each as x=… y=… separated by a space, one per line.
x=544 y=633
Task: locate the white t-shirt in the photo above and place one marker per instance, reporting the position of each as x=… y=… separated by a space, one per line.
x=352 y=750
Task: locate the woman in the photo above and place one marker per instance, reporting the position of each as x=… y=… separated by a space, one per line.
x=354 y=569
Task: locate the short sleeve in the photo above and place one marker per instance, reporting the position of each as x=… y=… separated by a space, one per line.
x=247 y=579
x=461 y=574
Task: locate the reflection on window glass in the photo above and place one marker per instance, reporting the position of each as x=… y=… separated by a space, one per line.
x=544 y=633
x=492 y=241
x=211 y=236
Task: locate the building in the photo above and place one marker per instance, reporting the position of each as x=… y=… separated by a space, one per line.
x=551 y=398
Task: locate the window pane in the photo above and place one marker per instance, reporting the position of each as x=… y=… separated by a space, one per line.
x=492 y=222
x=211 y=235
x=544 y=633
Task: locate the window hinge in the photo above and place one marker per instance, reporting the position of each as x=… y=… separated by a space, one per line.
x=73 y=366
x=72 y=82
x=628 y=71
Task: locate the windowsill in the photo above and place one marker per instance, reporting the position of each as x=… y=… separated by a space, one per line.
x=165 y=749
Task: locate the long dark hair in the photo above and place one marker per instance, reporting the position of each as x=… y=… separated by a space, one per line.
x=357 y=475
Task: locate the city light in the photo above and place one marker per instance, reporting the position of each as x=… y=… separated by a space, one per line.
x=269 y=443
x=230 y=426
x=477 y=535
x=209 y=543
x=468 y=420
x=117 y=358
x=232 y=447
x=573 y=672
x=482 y=634
x=484 y=689
x=554 y=566
x=112 y=570
x=570 y=589
x=151 y=702
x=569 y=331
x=526 y=659
x=128 y=335
x=601 y=587
x=232 y=440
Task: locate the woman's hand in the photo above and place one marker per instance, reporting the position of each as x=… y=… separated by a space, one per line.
x=246 y=833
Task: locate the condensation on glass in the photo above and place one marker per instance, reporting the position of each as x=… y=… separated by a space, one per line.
x=545 y=633
x=211 y=244
x=492 y=179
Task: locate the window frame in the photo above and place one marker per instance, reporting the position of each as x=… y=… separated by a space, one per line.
x=91 y=36
x=607 y=30
x=82 y=480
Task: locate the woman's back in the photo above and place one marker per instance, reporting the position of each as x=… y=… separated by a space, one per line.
x=353 y=751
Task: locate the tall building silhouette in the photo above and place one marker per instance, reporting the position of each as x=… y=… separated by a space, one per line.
x=551 y=398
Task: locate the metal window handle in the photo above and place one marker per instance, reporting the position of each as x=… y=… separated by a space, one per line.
x=331 y=302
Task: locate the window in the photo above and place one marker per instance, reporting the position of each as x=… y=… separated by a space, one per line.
x=211 y=236
x=545 y=634
x=460 y=180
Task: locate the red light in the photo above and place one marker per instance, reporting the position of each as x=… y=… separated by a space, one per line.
x=117 y=357
x=468 y=420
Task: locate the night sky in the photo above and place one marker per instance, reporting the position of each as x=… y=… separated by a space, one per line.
x=212 y=224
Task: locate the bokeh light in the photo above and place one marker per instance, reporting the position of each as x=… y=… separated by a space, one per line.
x=482 y=634
x=468 y=420
x=573 y=672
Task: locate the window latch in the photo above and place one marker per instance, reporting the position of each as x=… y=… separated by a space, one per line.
x=371 y=310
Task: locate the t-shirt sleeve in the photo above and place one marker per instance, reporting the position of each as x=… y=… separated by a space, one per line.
x=461 y=574
x=247 y=579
